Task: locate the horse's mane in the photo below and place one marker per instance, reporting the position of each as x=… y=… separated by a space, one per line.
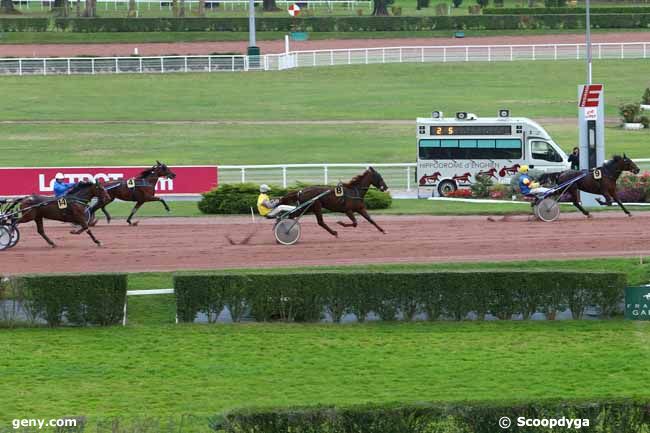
x=147 y=172
x=614 y=160
x=356 y=179
x=79 y=186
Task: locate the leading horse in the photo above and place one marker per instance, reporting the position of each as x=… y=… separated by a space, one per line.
x=140 y=189
x=600 y=181
x=72 y=207
x=346 y=198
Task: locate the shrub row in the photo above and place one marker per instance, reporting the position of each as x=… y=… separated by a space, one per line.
x=603 y=416
x=24 y=24
x=239 y=198
x=349 y=24
x=88 y=299
x=306 y=296
x=567 y=11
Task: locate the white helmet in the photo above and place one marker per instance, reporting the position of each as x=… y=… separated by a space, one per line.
x=264 y=188
x=59 y=176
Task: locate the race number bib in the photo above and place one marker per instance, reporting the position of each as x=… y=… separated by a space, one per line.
x=63 y=203
x=338 y=191
x=130 y=183
x=598 y=174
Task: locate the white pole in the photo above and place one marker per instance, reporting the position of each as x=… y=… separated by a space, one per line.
x=588 y=40
x=286 y=44
x=251 y=23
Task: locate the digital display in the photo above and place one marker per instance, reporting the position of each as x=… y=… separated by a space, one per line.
x=471 y=130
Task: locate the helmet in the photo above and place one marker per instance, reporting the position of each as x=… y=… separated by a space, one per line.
x=59 y=176
x=523 y=169
x=264 y=188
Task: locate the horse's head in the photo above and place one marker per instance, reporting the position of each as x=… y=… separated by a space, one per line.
x=629 y=165
x=161 y=170
x=377 y=181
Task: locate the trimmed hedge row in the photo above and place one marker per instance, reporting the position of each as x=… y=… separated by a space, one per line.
x=88 y=299
x=602 y=416
x=306 y=296
x=351 y=24
x=24 y=24
x=229 y=199
x=566 y=11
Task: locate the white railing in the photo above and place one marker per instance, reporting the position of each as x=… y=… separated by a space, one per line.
x=461 y=53
x=296 y=59
x=399 y=176
x=210 y=4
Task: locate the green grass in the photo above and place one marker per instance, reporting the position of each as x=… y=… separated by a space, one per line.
x=223 y=144
x=396 y=91
x=163 y=371
x=152 y=37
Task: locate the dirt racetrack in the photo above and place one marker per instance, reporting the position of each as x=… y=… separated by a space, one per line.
x=166 y=244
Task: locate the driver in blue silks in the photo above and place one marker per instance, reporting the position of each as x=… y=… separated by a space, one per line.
x=527 y=185
x=61 y=187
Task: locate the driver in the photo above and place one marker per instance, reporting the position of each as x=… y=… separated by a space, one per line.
x=270 y=208
x=61 y=187
x=527 y=185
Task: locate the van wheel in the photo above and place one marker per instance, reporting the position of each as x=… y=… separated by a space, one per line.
x=446 y=187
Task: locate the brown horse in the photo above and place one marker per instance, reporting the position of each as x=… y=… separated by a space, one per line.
x=346 y=198
x=600 y=181
x=72 y=207
x=140 y=189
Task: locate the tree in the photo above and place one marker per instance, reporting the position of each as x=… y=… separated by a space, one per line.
x=201 y=11
x=269 y=6
x=380 y=7
x=7 y=7
x=482 y=3
x=181 y=12
x=61 y=7
x=91 y=9
x=457 y=3
x=132 y=8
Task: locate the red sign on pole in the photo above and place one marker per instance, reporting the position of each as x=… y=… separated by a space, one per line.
x=294 y=10
x=590 y=95
x=190 y=180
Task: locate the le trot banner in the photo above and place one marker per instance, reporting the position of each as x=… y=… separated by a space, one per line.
x=190 y=180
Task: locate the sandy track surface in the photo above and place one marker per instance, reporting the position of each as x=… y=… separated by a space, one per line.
x=269 y=47
x=166 y=244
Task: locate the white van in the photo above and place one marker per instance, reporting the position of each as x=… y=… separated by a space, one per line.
x=453 y=151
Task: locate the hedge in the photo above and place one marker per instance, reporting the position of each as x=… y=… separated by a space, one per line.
x=566 y=11
x=353 y=24
x=604 y=416
x=230 y=199
x=88 y=299
x=306 y=296
x=24 y=24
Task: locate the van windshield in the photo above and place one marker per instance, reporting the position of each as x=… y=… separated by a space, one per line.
x=470 y=148
x=544 y=151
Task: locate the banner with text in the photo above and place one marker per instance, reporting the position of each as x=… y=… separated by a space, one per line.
x=190 y=180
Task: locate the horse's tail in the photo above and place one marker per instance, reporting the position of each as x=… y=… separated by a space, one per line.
x=548 y=178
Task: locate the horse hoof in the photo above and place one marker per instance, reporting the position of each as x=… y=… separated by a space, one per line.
x=99 y=244
x=53 y=245
x=134 y=224
x=335 y=234
x=340 y=223
x=589 y=216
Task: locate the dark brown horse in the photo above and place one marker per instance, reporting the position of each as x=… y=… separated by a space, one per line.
x=140 y=189
x=72 y=208
x=600 y=181
x=346 y=198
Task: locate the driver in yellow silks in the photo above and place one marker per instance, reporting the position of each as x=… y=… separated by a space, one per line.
x=270 y=208
x=527 y=185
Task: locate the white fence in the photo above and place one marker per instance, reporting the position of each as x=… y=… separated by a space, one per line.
x=396 y=176
x=210 y=4
x=297 y=59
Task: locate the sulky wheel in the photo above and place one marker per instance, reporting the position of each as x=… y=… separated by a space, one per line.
x=15 y=236
x=5 y=237
x=287 y=231
x=547 y=210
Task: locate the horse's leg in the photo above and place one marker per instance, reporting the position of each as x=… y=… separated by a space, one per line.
x=615 y=197
x=350 y=215
x=574 y=198
x=364 y=213
x=41 y=231
x=133 y=211
x=318 y=211
x=164 y=203
x=84 y=228
x=108 y=216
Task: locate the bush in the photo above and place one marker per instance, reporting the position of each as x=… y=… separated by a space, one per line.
x=351 y=24
x=500 y=191
x=305 y=296
x=481 y=187
x=566 y=10
x=555 y=3
x=604 y=416
x=629 y=112
x=634 y=188
x=474 y=9
x=376 y=199
x=95 y=299
x=460 y=193
x=24 y=24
